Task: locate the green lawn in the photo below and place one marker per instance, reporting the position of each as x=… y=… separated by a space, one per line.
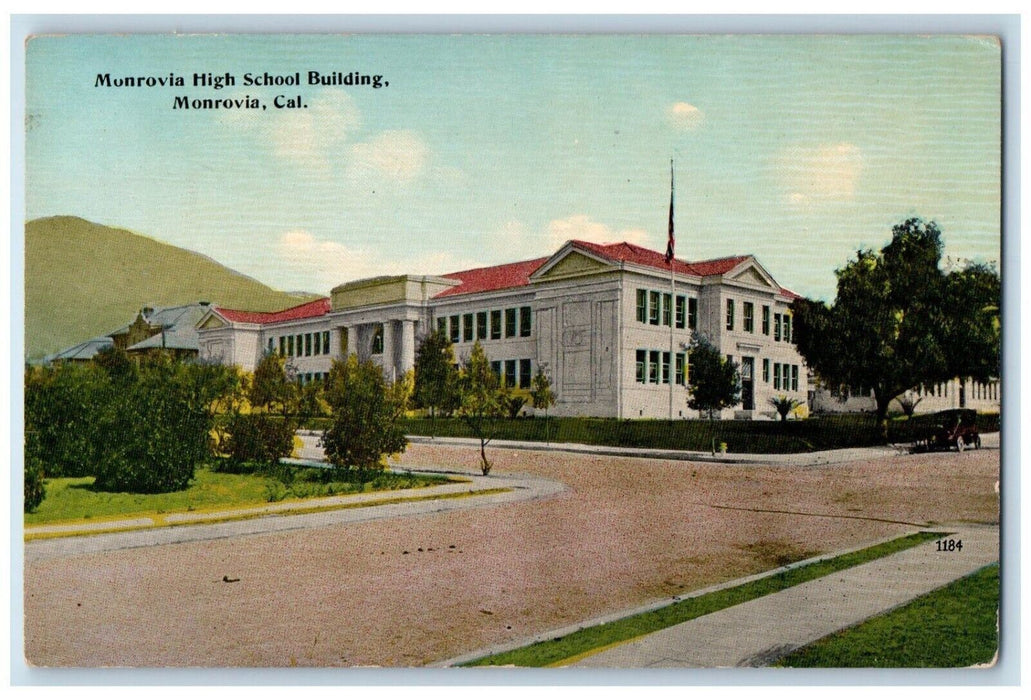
x=75 y=499
x=563 y=649
x=762 y=437
x=954 y=626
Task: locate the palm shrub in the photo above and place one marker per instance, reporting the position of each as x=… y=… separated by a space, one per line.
x=784 y=405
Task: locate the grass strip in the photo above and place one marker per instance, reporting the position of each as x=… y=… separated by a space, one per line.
x=952 y=627
x=162 y=522
x=554 y=652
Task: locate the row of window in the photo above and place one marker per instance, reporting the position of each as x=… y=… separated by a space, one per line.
x=483 y=325
x=309 y=377
x=653 y=367
x=785 y=376
x=657 y=308
x=514 y=373
x=302 y=344
x=781 y=322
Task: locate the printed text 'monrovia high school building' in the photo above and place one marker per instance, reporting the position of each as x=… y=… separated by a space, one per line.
x=597 y=317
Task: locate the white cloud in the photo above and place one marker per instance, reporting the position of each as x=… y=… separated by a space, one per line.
x=685 y=116
x=825 y=172
x=582 y=227
x=310 y=137
x=323 y=264
x=398 y=155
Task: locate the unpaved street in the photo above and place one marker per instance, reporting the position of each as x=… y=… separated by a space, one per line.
x=627 y=531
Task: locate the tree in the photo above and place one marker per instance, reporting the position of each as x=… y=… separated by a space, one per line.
x=270 y=388
x=365 y=413
x=784 y=405
x=542 y=396
x=482 y=400
x=898 y=321
x=436 y=379
x=714 y=381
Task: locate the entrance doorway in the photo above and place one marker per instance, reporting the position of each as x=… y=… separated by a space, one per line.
x=748 y=383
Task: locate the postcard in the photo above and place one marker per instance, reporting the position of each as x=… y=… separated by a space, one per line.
x=632 y=351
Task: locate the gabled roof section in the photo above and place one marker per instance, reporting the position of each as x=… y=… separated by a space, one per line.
x=311 y=309
x=636 y=255
x=491 y=279
x=82 y=351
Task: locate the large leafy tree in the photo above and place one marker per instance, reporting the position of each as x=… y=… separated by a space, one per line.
x=365 y=416
x=714 y=380
x=899 y=321
x=436 y=378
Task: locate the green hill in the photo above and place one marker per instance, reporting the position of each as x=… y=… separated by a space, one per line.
x=83 y=280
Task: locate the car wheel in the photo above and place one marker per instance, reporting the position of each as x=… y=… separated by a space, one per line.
x=959 y=444
x=977 y=442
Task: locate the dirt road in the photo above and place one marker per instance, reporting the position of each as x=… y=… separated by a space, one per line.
x=406 y=592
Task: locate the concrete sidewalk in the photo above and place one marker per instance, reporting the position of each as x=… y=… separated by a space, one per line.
x=801 y=459
x=760 y=631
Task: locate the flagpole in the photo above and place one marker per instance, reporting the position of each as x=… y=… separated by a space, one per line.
x=672 y=296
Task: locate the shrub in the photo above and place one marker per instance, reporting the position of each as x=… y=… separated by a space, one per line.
x=35 y=490
x=258 y=438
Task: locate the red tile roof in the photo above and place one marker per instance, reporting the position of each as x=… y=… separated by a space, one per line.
x=512 y=275
x=635 y=254
x=311 y=309
x=489 y=279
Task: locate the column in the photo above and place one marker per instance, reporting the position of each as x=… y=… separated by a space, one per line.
x=407 y=358
x=351 y=333
x=389 y=351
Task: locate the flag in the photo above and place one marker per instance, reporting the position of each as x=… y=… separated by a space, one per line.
x=670 y=243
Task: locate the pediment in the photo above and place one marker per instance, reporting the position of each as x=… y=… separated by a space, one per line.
x=753 y=275
x=572 y=264
x=212 y=321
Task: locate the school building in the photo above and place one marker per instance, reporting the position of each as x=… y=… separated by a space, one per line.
x=597 y=317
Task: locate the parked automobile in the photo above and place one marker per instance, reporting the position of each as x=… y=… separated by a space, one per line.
x=956 y=427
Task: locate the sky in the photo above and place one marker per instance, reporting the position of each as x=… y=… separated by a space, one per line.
x=481 y=150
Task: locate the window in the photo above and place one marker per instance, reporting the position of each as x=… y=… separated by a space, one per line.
x=377 y=339
x=730 y=314
x=317 y=341
x=325 y=342
x=442 y=325
x=525 y=322
x=307 y=344
x=481 y=325
x=456 y=330
x=524 y=374
x=787 y=328
x=776 y=326
x=467 y=327
x=642 y=366
x=794 y=377
x=653 y=366
x=681 y=311
x=776 y=375
x=270 y=346
x=290 y=345
x=282 y=345
x=665 y=368
x=495 y=367
x=679 y=377
x=510 y=372
x=748 y=313
x=300 y=346
x=495 y=324
x=667 y=309
x=510 y=323
x=642 y=306
x=653 y=308
x=766 y=320
x=766 y=370
x=692 y=313
x=690 y=368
